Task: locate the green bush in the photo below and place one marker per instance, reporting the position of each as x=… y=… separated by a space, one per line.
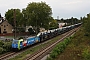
x=67 y=40
x=1 y=50
x=1 y=43
x=5 y=47
x=53 y=54
x=59 y=48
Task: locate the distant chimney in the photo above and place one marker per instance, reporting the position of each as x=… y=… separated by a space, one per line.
x=0 y=15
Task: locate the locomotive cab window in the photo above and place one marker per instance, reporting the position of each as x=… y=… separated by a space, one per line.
x=15 y=42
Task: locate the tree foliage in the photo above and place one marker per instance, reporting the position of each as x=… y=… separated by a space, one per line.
x=10 y=17
x=38 y=14
x=86 y=23
x=53 y=24
x=5 y=46
x=25 y=18
x=70 y=21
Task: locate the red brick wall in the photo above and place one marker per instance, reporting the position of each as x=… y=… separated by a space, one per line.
x=12 y=34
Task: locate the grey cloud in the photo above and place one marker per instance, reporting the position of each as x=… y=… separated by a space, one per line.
x=62 y=8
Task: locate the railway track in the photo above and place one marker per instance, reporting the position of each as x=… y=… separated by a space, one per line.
x=44 y=51
x=4 y=56
x=38 y=54
x=9 y=55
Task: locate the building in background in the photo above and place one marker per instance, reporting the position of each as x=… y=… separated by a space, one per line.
x=61 y=25
x=5 y=27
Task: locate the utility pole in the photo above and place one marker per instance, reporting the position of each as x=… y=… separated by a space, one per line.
x=14 y=24
x=36 y=25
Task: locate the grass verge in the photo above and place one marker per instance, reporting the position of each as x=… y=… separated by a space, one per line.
x=78 y=49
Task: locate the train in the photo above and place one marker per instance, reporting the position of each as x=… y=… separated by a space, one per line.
x=41 y=36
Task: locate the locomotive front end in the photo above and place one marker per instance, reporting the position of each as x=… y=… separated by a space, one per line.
x=15 y=44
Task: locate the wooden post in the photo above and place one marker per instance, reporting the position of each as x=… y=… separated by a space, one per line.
x=14 y=24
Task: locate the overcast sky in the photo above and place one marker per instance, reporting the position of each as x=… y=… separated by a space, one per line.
x=61 y=8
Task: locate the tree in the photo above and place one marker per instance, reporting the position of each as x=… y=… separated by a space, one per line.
x=62 y=20
x=86 y=24
x=38 y=14
x=53 y=24
x=25 y=18
x=10 y=17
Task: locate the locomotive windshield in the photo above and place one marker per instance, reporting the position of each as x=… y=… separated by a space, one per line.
x=30 y=37
x=15 y=41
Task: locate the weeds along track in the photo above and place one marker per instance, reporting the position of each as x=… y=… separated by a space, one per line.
x=44 y=51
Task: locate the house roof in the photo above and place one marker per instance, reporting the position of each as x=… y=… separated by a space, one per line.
x=1 y=20
x=0 y=15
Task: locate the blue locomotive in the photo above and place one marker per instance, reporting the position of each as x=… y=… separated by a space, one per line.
x=21 y=43
x=42 y=36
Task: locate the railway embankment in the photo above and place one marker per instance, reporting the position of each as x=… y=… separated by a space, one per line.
x=78 y=49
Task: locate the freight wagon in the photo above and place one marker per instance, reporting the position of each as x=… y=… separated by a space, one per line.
x=42 y=36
